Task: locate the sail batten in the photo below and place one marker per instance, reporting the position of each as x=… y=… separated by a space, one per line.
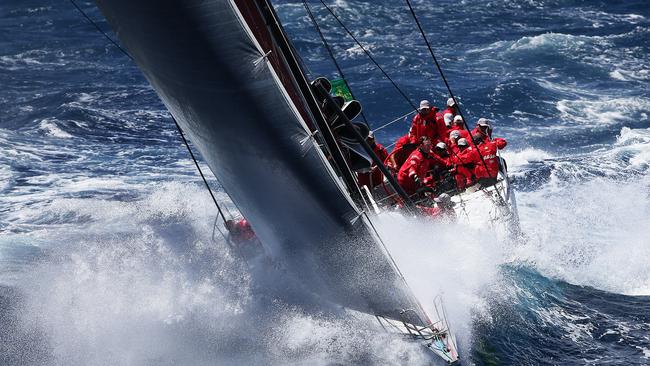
x=216 y=66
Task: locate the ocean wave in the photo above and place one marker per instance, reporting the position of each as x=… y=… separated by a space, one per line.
x=523 y=157
x=565 y=44
x=51 y=128
x=603 y=111
x=33 y=58
x=144 y=270
x=590 y=214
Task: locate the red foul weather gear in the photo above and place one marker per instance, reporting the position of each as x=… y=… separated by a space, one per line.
x=489 y=152
x=424 y=126
x=406 y=139
x=445 y=213
x=240 y=231
x=443 y=130
x=464 y=134
x=450 y=110
x=414 y=169
x=438 y=166
x=398 y=157
x=374 y=177
x=486 y=136
x=465 y=161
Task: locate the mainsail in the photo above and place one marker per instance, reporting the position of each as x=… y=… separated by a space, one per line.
x=222 y=73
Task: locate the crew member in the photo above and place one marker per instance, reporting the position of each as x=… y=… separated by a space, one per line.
x=452 y=142
x=424 y=123
x=444 y=208
x=373 y=177
x=465 y=160
x=459 y=125
x=483 y=128
x=412 y=174
x=402 y=150
x=443 y=178
x=486 y=174
x=451 y=107
x=240 y=232
x=403 y=140
x=444 y=124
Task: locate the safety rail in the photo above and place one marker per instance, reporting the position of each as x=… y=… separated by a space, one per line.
x=436 y=335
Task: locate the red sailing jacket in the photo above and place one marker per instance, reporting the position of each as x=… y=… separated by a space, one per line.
x=468 y=156
x=439 y=161
x=486 y=137
x=443 y=130
x=406 y=139
x=241 y=232
x=450 y=111
x=424 y=126
x=375 y=174
x=489 y=152
x=417 y=164
x=465 y=161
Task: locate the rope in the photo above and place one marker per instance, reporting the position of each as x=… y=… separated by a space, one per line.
x=393 y=121
x=331 y=53
x=178 y=127
x=101 y=30
x=451 y=94
x=196 y=163
x=408 y=100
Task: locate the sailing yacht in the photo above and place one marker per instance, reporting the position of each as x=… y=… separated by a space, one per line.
x=283 y=147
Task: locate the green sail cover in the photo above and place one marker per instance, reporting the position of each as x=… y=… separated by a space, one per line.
x=340 y=88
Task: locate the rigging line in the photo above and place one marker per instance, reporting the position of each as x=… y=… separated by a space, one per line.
x=451 y=94
x=331 y=53
x=393 y=121
x=101 y=30
x=178 y=127
x=408 y=100
x=196 y=163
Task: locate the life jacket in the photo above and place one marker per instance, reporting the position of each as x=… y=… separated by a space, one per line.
x=424 y=126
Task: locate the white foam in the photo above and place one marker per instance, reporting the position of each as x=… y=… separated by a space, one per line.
x=51 y=128
x=142 y=281
x=518 y=158
x=602 y=110
x=564 y=43
x=452 y=260
x=591 y=233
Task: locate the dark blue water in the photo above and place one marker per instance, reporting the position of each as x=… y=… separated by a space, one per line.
x=107 y=253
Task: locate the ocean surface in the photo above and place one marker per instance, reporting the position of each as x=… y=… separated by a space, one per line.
x=108 y=249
